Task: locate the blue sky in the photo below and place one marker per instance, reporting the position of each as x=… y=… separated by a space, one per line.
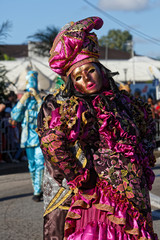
x=140 y=17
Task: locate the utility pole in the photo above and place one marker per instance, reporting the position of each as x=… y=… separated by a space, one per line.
x=132 y=54
x=129 y=47
x=106 y=51
x=125 y=74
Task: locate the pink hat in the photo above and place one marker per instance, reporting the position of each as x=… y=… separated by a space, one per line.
x=75 y=46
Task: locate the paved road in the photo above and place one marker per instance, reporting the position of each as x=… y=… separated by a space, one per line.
x=21 y=218
x=155 y=198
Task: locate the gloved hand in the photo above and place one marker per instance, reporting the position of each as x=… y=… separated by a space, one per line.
x=25 y=96
x=33 y=92
x=35 y=95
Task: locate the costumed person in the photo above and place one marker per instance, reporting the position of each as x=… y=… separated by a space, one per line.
x=97 y=140
x=26 y=112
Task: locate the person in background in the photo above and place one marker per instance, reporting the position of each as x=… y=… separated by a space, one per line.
x=16 y=141
x=2 y=108
x=2 y=140
x=12 y=99
x=98 y=141
x=152 y=106
x=137 y=94
x=8 y=102
x=7 y=137
x=157 y=109
x=26 y=112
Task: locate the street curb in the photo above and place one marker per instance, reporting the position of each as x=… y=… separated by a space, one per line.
x=155 y=200
x=12 y=168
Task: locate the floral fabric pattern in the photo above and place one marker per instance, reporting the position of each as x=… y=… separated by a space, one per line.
x=123 y=157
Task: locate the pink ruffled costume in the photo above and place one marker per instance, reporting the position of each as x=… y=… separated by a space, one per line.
x=115 y=135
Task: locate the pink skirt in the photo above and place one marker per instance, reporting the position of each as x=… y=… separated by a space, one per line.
x=103 y=214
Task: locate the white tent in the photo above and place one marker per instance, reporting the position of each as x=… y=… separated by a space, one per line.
x=17 y=71
x=136 y=69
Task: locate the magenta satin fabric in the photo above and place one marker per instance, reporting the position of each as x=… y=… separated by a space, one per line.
x=94 y=224
x=55 y=120
x=74 y=45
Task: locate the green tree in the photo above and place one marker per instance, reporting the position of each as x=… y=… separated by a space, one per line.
x=117 y=39
x=43 y=40
x=3 y=83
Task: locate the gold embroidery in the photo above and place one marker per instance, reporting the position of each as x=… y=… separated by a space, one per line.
x=78 y=154
x=64 y=207
x=60 y=102
x=46 y=120
x=104 y=207
x=50 y=208
x=84 y=118
x=73 y=215
x=55 y=198
x=75 y=190
x=144 y=238
x=67 y=225
x=81 y=203
x=89 y=197
x=116 y=220
x=133 y=231
x=84 y=162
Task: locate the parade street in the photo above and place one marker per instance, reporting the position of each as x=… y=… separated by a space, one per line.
x=22 y=218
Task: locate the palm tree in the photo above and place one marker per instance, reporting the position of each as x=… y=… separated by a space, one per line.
x=4 y=82
x=4 y=29
x=44 y=40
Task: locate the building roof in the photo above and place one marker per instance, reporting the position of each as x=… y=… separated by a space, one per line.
x=19 y=51
x=16 y=51
x=113 y=54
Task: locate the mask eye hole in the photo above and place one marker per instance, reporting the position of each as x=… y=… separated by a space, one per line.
x=92 y=70
x=78 y=78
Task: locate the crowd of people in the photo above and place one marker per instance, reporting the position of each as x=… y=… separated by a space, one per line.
x=10 y=131
x=97 y=143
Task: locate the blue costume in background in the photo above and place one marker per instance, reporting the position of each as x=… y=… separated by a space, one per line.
x=26 y=112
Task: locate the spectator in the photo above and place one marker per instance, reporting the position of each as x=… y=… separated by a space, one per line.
x=16 y=141
x=12 y=99
x=150 y=102
x=157 y=109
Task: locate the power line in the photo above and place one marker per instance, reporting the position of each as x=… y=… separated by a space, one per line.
x=139 y=33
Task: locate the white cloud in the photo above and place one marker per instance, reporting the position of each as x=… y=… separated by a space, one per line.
x=127 y=5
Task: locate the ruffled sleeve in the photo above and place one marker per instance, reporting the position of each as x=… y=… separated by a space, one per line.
x=59 y=137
